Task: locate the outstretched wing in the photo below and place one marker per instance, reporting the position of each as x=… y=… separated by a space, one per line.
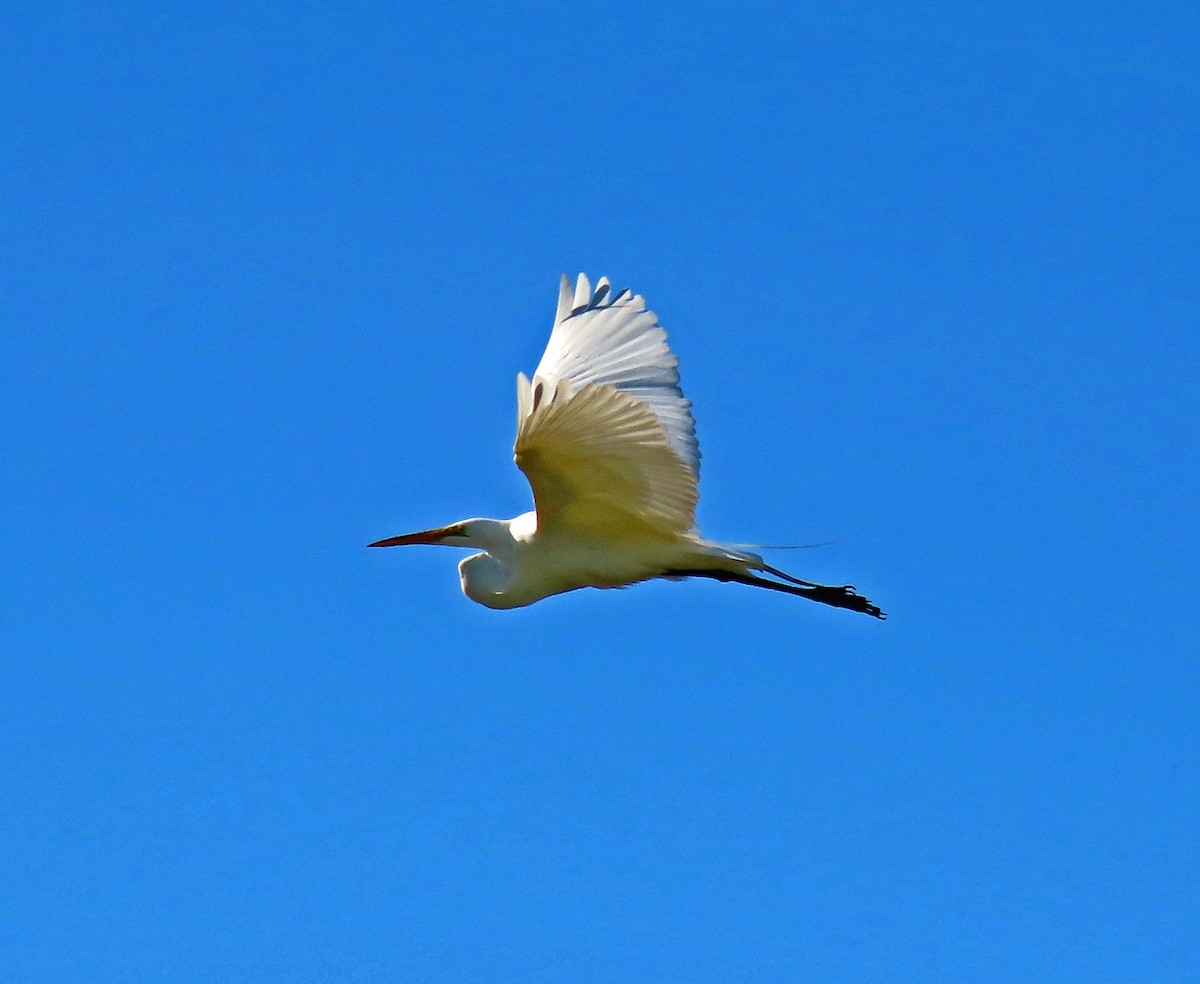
x=604 y=433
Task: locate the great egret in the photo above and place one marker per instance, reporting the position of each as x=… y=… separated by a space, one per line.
x=606 y=438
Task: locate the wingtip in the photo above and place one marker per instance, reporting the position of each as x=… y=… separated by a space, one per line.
x=564 y=299
x=583 y=292
x=603 y=287
x=524 y=398
x=573 y=299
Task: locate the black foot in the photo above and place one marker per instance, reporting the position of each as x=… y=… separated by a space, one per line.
x=844 y=597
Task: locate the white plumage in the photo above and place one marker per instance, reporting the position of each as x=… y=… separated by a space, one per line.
x=607 y=440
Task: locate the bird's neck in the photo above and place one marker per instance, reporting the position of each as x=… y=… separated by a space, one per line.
x=493 y=535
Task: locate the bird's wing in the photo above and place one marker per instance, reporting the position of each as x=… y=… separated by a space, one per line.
x=604 y=433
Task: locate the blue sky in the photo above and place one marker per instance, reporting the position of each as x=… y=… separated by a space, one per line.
x=267 y=274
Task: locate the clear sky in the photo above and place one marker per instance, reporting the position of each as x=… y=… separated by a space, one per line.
x=267 y=275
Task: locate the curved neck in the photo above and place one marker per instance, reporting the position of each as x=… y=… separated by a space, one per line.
x=492 y=535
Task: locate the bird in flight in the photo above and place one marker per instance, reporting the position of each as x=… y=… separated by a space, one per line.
x=606 y=438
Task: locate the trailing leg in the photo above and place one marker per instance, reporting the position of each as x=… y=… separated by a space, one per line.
x=839 y=597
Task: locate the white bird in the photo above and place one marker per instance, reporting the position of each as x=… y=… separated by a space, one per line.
x=606 y=438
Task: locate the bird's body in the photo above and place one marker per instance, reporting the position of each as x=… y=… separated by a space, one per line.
x=607 y=441
x=521 y=565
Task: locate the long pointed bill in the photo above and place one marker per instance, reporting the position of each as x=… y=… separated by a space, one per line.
x=425 y=536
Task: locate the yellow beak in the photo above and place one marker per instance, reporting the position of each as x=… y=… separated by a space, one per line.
x=425 y=536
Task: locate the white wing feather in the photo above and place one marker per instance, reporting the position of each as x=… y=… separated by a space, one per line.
x=612 y=338
x=604 y=433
